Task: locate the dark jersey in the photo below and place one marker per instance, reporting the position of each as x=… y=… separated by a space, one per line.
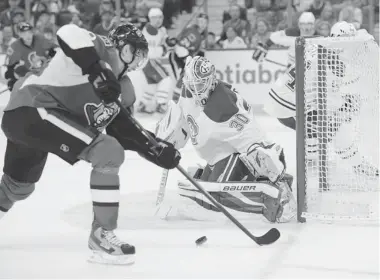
x=27 y=58
x=61 y=84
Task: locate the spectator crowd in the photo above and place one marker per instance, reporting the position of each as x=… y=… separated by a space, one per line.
x=244 y=25
x=99 y=16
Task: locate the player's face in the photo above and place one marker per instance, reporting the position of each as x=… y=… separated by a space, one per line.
x=135 y=61
x=156 y=21
x=306 y=29
x=202 y=23
x=26 y=36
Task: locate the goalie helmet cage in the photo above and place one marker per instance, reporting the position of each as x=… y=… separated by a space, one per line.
x=337 y=91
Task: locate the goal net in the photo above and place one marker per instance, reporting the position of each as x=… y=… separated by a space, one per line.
x=337 y=87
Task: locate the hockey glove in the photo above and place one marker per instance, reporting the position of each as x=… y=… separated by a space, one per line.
x=265 y=160
x=165 y=155
x=260 y=52
x=104 y=82
x=171 y=41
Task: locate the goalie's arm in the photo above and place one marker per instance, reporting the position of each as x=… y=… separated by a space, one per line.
x=173 y=127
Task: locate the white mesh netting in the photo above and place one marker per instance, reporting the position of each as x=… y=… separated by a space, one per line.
x=341 y=92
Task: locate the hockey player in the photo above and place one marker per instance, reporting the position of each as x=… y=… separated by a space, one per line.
x=244 y=171
x=187 y=44
x=287 y=38
x=158 y=84
x=344 y=105
x=64 y=109
x=28 y=53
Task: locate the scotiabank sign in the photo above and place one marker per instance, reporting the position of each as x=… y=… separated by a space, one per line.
x=253 y=80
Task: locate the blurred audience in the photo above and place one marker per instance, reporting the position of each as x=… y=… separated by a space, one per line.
x=240 y=26
x=245 y=24
x=227 y=14
x=262 y=33
x=14 y=9
x=212 y=42
x=107 y=23
x=233 y=41
x=6 y=38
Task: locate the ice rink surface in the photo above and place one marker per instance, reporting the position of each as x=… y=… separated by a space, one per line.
x=46 y=235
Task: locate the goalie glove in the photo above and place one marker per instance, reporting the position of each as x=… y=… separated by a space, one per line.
x=172 y=127
x=260 y=52
x=267 y=161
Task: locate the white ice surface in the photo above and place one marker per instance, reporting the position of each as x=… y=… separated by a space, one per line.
x=46 y=235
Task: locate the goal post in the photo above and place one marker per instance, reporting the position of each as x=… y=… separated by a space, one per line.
x=337 y=118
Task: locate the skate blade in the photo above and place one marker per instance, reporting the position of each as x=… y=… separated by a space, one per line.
x=104 y=258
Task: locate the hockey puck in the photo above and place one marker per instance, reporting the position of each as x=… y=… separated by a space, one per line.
x=201 y=240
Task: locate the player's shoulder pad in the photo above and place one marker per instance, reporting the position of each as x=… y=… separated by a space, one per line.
x=293 y=32
x=221 y=105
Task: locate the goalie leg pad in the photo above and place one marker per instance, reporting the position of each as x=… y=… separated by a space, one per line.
x=267 y=161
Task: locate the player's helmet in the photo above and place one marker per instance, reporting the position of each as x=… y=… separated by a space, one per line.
x=306 y=24
x=199 y=78
x=342 y=29
x=128 y=34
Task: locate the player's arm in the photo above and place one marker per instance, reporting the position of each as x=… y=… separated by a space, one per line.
x=15 y=66
x=284 y=38
x=173 y=127
x=78 y=44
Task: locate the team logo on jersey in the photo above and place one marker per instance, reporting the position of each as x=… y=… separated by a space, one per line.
x=35 y=60
x=194 y=129
x=100 y=115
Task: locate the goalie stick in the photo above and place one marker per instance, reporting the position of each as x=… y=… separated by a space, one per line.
x=268 y=238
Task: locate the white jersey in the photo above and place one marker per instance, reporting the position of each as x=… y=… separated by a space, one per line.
x=226 y=125
x=156 y=40
x=286 y=38
x=339 y=84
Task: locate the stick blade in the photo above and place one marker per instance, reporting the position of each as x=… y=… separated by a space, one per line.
x=270 y=237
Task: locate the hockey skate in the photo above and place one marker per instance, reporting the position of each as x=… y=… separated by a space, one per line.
x=108 y=249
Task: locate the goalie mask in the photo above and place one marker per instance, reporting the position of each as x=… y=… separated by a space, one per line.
x=342 y=29
x=199 y=78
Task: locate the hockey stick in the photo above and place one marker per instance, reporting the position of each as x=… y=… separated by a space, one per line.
x=196 y=13
x=268 y=238
x=162 y=188
x=4 y=90
x=275 y=62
